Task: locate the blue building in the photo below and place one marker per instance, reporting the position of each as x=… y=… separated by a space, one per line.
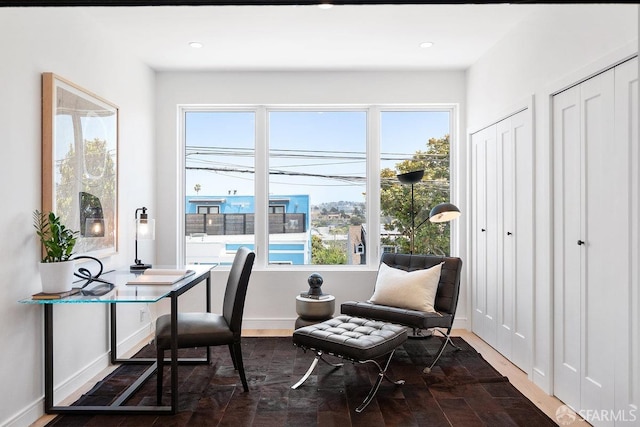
x=215 y=226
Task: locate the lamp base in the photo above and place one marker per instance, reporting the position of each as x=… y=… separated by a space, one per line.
x=139 y=267
x=420 y=334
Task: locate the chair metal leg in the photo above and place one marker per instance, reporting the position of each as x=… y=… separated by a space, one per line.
x=312 y=367
x=447 y=340
x=382 y=373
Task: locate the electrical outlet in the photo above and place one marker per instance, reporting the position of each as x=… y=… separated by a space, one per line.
x=143 y=313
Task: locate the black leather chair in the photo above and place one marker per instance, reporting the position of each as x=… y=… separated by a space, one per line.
x=446 y=301
x=209 y=329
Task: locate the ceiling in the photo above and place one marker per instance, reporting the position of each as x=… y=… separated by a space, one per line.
x=345 y=37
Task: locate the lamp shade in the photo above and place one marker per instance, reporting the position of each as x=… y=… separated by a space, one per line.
x=410 y=177
x=145 y=229
x=444 y=212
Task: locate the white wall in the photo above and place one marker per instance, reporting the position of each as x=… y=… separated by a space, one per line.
x=554 y=47
x=33 y=41
x=271 y=296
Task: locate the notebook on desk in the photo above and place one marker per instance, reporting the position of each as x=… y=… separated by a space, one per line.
x=160 y=276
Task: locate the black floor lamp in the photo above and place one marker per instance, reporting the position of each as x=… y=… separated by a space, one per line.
x=411 y=178
x=442 y=212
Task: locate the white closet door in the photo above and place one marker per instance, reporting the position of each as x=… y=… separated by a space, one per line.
x=506 y=225
x=596 y=216
x=606 y=224
x=492 y=234
x=627 y=332
x=485 y=224
x=515 y=231
x=479 y=266
x=502 y=255
x=568 y=231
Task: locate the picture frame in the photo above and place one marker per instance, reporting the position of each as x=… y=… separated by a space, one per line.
x=80 y=163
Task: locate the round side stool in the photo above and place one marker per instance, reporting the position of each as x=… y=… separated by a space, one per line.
x=312 y=310
x=313 y=306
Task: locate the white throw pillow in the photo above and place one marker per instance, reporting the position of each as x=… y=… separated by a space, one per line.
x=413 y=290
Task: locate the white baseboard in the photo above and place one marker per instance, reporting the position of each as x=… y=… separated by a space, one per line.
x=31 y=413
x=461 y=323
x=27 y=416
x=541 y=379
x=269 y=323
x=135 y=339
x=289 y=323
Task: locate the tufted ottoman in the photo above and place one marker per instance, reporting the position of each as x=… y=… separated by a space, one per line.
x=355 y=339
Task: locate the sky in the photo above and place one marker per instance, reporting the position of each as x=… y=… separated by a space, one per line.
x=320 y=153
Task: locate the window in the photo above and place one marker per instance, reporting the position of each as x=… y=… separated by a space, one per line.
x=208 y=209
x=312 y=183
x=317 y=159
x=276 y=209
x=410 y=141
x=219 y=184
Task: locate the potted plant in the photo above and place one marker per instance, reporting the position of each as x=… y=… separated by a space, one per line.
x=56 y=267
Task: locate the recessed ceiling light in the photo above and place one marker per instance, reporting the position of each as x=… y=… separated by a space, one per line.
x=196 y=45
x=425 y=45
x=325 y=5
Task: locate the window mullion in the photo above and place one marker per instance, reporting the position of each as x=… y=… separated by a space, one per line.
x=261 y=183
x=373 y=185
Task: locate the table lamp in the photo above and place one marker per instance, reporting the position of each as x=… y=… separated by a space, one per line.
x=145 y=230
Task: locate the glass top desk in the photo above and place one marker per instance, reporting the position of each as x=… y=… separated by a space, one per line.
x=119 y=292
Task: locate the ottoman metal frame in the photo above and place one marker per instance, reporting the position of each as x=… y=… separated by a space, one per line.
x=355 y=339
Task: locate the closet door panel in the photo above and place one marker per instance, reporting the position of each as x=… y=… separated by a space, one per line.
x=606 y=227
x=521 y=240
x=567 y=253
x=492 y=234
x=506 y=254
x=627 y=334
x=479 y=232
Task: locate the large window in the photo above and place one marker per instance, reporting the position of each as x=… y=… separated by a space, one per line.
x=219 y=184
x=414 y=141
x=317 y=160
x=314 y=171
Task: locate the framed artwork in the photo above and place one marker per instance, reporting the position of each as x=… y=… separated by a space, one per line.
x=80 y=163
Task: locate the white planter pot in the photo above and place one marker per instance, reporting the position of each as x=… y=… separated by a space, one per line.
x=56 y=276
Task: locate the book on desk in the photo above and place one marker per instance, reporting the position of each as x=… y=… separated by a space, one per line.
x=160 y=276
x=55 y=295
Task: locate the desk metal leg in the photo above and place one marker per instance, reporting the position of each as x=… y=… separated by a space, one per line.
x=48 y=357
x=174 y=354
x=208 y=299
x=113 y=341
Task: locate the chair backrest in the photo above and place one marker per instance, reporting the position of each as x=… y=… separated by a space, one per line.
x=236 y=291
x=449 y=285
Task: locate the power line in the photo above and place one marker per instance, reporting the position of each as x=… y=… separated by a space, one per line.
x=307 y=154
x=346 y=178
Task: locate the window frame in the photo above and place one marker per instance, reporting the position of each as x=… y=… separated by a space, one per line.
x=261 y=159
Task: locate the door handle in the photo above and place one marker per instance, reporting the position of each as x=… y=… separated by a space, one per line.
x=580 y=242
x=483 y=230
x=509 y=233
